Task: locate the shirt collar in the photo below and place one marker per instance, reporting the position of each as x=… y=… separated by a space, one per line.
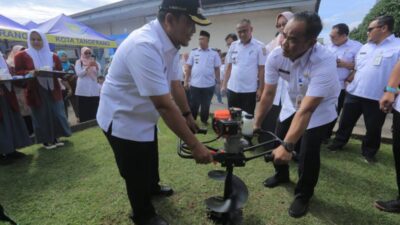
x=250 y=42
x=205 y=50
x=305 y=58
x=167 y=44
x=388 y=39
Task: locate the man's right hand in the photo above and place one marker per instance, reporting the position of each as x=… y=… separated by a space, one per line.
x=201 y=154
x=386 y=102
x=186 y=85
x=223 y=89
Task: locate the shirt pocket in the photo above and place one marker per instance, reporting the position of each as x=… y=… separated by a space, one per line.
x=210 y=61
x=389 y=56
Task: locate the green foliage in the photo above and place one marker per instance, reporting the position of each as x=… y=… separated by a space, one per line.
x=80 y=185
x=383 y=7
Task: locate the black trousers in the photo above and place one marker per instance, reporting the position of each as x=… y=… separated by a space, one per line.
x=374 y=119
x=269 y=124
x=309 y=158
x=396 y=145
x=88 y=107
x=245 y=101
x=339 y=109
x=138 y=165
x=201 y=98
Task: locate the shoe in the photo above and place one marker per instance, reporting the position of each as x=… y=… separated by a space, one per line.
x=275 y=180
x=326 y=141
x=16 y=155
x=298 y=208
x=388 y=206
x=155 y=220
x=335 y=146
x=370 y=160
x=49 y=146
x=163 y=191
x=58 y=143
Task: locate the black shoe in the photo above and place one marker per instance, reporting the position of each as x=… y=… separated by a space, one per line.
x=389 y=206
x=275 y=180
x=155 y=220
x=335 y=146
x=370 y=160
x=163 y=191
x=16 y=155
x=326 y=141
x=298 y=208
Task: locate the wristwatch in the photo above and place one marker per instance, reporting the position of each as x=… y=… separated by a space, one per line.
x=289 y=147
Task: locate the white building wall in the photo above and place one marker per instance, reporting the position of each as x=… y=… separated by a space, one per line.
x=263 y=23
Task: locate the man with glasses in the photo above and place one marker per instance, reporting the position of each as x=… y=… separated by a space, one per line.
x=374 y=62
x=309 y=107
x=345 y=51
x=244 y=77
x=142 y=78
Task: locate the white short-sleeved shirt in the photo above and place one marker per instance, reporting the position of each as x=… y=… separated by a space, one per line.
x=86 y=86
x=203 y=63
x=144 y=65
x=245 y=60
x=374 y=63
x=346 y=52
x=281 y=89
x=313 y=74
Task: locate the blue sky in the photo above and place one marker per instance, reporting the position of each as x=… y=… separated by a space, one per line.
x=350 y=12
x=331 y=11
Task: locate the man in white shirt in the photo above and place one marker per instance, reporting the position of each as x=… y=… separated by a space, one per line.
x=345 y=51
x=388 y=101
x=244 y=77
x=143 y=84
x=203 y=72
x=374 y=62
x=308 y=107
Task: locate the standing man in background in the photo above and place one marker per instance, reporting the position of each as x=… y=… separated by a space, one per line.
x=244 y=77
x=203 y=72
x=374 y=63
x=345 y=51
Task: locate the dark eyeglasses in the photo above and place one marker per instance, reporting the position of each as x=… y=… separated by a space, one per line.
x=369 y=29
x=88 y=53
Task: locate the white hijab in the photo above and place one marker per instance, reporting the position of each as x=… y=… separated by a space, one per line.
x=4 y=71
x=42 y=59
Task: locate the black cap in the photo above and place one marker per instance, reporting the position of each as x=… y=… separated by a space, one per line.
x=189 y=7
x=204 y=33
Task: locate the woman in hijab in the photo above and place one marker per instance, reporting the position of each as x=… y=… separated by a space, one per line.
x=43 y=94
x=13 y=132
x=19 y=90
x=69 y=67
x=66 y=87
x=87 y=89
x=271 y=119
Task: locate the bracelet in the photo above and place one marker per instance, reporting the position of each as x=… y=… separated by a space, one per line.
x=391 y=89
x=186 y=114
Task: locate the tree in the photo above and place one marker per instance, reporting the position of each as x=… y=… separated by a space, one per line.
x=383 y=7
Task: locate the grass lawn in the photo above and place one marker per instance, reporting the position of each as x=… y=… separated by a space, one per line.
x=80 y=185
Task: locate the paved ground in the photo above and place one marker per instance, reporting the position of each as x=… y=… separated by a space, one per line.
x=359 y=129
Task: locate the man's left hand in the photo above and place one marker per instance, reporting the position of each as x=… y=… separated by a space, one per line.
x=281 y=156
